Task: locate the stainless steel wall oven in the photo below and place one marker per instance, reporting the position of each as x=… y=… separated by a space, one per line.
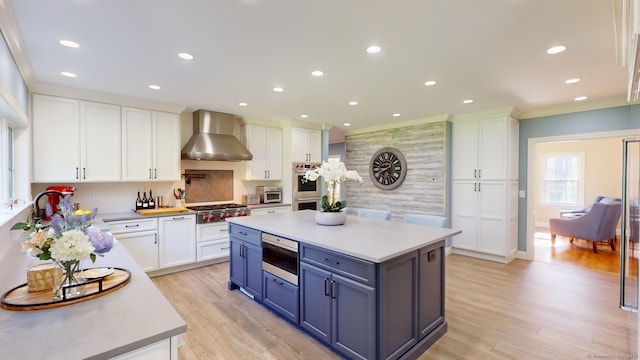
x=280 y=257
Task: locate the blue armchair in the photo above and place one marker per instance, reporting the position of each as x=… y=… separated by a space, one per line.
x=598 y=224
x=578 y=212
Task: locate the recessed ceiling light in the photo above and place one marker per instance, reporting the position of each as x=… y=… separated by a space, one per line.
x=304 y=116
x=278 y=89
x=185 y=56
x=580 y=98
x=68 y=74
x=317 y=73
x=154 y=87
x=374 y=49
x=396 y=115
x=243 y=104
x=556 y=49
x=572 y=81
x=347 y=124
x=69 y=43
x=467 y=101
x=353 y=103
x=430 y=83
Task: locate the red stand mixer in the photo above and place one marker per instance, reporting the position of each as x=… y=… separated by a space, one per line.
x=54 y=199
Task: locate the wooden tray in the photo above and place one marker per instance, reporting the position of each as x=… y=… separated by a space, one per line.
x=19 y=298
x=169 y=210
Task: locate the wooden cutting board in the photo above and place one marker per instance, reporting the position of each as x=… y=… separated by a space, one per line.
x=169 y=210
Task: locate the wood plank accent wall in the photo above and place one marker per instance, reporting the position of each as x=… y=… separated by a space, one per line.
x=425 y=186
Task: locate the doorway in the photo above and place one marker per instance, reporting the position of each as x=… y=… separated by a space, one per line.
x=599 y=174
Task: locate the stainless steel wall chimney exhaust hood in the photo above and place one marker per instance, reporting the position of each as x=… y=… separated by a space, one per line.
x=213 y=138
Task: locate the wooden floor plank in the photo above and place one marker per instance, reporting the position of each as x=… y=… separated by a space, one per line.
x=521 y=310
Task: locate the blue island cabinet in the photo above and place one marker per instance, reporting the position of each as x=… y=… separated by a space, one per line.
x=245 y=260
x=364 y=310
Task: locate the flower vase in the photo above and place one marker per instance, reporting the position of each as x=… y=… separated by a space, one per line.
x=331 y=218
x=71 y=284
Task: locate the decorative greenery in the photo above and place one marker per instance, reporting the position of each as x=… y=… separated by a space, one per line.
x=333 y=174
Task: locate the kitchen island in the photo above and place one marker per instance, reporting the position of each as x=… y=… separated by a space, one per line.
x=369 y=289
x=135 y=320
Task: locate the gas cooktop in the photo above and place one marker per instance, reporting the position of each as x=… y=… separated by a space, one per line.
x=215 y=207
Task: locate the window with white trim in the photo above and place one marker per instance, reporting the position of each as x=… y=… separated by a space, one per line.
x=562 y=179
x=7 y=190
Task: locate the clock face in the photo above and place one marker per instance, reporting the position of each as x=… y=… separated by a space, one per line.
x=387 y=168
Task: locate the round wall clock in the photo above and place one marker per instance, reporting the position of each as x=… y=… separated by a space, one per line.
x=388 y=168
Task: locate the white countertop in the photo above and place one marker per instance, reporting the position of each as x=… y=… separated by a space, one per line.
x=367 y=239
x=124 y=320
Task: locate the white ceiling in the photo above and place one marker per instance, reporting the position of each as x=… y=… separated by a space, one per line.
x=490 y=51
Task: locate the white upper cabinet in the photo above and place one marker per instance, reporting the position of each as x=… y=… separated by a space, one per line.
x=265 y=143
x=306 y=145
x=150 y=145
x=484 y=149
x=75 y=141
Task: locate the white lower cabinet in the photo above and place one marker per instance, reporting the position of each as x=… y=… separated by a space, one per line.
x=271 y=210
x=140 y=238
x=166 y=349
x=177 y=237
x=213 y=241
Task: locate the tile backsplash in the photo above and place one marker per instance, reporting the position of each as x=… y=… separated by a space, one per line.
x=209 y=185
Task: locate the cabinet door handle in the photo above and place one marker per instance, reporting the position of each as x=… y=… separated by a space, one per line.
x=277 y=282
x=475 y=187
x=149 y=174
x=84 y=173
x=334 y=290
x=478 y=187
x=155 y=237
x=479 y=173
x=268 y=174
x=132 y=226
x=327 y=290
x=77 y=173
x=265 y=174
x=224 y=230
x=224 y=248
x=155 y=173
x=270 y=211
x=475 y=173
x=242 y=251
x=242 y=233
x=179 y=218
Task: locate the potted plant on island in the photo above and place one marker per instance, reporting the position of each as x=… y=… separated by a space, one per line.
x=333 y=174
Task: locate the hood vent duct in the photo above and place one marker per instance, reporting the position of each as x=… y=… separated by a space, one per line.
x=213 y=138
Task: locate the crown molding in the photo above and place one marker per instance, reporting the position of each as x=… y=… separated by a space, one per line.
x=13 y=38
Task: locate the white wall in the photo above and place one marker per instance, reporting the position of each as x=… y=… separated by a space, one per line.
x=603 y=171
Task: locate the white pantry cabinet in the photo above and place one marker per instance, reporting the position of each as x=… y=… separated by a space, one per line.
x=177 y=240
x=265 y=143
x=75 y=140
x=306 y=145
x=150 y=145
x=485 y=186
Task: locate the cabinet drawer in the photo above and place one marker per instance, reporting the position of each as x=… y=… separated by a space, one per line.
x=281 y=296
x=212 y=250
x=119 y=227
x=215 y=231
x=356 y=269
x=246 y=234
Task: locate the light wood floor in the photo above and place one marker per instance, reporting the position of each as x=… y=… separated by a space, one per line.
x=522 y=310
x=579 y=254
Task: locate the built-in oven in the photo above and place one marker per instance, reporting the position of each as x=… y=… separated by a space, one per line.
x=280 y=257
x=305 y=189
x=305 y=204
